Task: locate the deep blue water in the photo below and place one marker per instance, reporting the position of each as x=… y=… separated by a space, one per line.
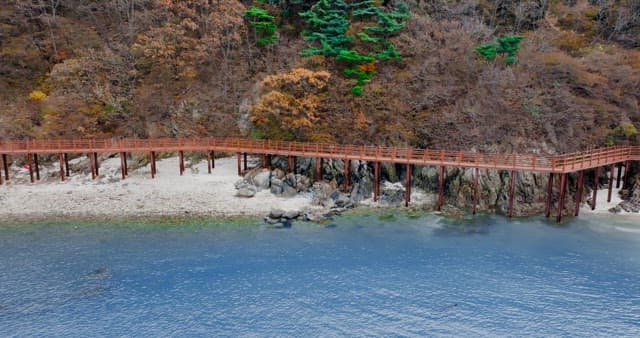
x=361 y=276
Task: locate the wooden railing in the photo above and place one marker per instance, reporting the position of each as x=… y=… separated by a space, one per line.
x=541 y=163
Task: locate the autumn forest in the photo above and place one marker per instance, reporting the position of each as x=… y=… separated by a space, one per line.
x=532 y=75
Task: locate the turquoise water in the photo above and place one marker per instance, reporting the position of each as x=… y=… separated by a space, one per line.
x=361 y=275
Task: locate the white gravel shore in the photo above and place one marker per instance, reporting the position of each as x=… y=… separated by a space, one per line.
x=169 y=194
x=196 y=193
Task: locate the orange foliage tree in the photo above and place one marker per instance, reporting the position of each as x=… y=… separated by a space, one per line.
x=193 y=33
x=288 y=106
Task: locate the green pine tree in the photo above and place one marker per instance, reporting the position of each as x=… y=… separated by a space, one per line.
x=328 y=22
x=507 y=45
x=264 y=25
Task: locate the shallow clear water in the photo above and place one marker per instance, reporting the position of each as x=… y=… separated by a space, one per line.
x=362 y=275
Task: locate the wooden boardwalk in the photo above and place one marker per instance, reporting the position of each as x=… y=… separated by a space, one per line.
x=565 y=163
x=560 y=165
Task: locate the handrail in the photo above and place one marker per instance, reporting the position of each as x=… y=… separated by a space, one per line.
x=564 y=163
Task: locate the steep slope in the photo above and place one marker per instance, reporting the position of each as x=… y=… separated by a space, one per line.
x=72 y=68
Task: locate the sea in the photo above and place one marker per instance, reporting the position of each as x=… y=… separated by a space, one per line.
x=370 y=273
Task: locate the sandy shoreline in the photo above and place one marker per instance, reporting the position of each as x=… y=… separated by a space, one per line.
x=195 y=194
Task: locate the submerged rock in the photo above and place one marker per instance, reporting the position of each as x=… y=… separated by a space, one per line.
x=271 y=221
x=280 y=224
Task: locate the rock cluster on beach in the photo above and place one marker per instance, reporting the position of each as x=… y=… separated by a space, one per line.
x=324 y=195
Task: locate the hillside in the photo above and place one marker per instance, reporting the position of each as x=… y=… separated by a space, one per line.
x=150 y=68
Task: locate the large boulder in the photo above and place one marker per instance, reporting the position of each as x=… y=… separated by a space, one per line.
x=246 y=191
x=303 y=183
x=291 y=214
x=289 y=191
x=277 y=186
x=276 y=213
x=262 y=179
x=392 y=193
x=322 y=192
x=278 y=173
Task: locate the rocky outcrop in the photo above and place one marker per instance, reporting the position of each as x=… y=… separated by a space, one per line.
x=529 y=198
x=632 y=201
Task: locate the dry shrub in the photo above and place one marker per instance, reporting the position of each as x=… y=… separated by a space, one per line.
x=570 y=42
x=580 y=18
x=288 y=105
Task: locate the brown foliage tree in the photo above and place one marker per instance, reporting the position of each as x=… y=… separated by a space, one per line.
x=288 y=106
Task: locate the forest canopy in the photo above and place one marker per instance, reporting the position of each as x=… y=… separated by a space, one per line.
x=557 y=75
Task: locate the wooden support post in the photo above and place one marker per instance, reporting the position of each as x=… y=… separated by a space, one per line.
x=619 y=176
x=0 y=175
x=318 y=175
x=407 y=186
x=563 y=190
x=181 y=158
x=611 y=169
x=126 y=165
x=626 y=171
x=66 y=164
x=264 y=160
x=35 y=159
x=62 y=172
x=209 y=157
x=512 y=189
x=30 y=160
x=595 y=188
x=97 y=166
x=290 y=164
x=376 y=181
x=547 y=210
x=476 y=175
x=213 y=160
x=92 y=164
x=579 y=190
x=239 y=164
x=347 y=175
x=441 y=188
x=295 y=165
x=245 y=161
x=5 y=163
x=152 y=155
x=122 y=166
